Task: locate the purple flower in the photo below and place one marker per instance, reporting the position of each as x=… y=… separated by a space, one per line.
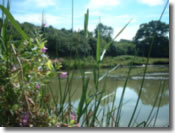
x=63 y=74
x=26 y=118
x=14 y=68
x=56 y=60
x=44 y=49
x=73 y=117
x=37 y=86
x=78 y=125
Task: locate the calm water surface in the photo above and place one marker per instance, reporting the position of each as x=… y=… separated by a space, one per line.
x=114 y=87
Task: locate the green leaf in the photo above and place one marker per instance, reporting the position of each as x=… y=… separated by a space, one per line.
x=14 y=23
x=86 y=23
x=108 y=44
x=80 y=110
x=49 y=65
x=72 y=122
x=104 y=75
x=98 y=47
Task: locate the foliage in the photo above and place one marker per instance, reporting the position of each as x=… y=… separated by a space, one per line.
x=105 y=31
x=108 y=62
x=121 y=48
x=65 y=43
x=26 y=70
x=157 y=30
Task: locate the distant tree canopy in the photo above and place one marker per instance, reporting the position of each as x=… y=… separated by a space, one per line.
x=144 y=36
x=105 y=31
x=65 y=43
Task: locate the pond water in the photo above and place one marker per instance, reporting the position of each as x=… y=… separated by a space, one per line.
x=114 y=87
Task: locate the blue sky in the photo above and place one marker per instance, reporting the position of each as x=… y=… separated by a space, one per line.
x=114 y=13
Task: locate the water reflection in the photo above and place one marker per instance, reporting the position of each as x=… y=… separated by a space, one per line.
x=150 y=89
x=114 y=87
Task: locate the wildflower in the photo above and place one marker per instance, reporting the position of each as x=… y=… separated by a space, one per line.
x=56 y=60
x=44 y=49
x=14 y=68
x=78 y=125
x=26 y=118
x=63 y=74
x=37 y=85
x=73 y=116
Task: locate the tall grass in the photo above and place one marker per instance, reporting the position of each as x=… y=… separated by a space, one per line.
x=149 y=54
x=88 y=113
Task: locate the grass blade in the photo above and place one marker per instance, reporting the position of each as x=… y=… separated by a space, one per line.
x=86 y=23
x=81 y=110
x=98 y=47
x=14 y=23
x=104 y=75
x=123 y=92
x=108 y=44
x=147 y=61
x=159 y=104
x=155 y=101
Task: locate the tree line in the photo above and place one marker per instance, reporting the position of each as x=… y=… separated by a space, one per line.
x=65 y=43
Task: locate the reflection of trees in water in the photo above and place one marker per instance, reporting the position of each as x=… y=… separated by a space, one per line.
x=150 y=90
x=148 y=95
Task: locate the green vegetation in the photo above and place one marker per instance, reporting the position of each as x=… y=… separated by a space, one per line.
x=122 y=71
x=26 y=96
x=108 y=62
x=144 y=36
x=62 y=43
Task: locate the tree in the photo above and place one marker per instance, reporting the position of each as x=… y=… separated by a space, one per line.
x=105 y=31
x=144 y=36
x=125 y=48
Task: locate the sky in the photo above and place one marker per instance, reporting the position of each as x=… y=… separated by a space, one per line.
x=114 y=13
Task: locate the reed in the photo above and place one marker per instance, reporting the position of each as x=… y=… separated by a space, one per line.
x=57 y=109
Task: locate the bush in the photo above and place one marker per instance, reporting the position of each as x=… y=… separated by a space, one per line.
x=24 y=73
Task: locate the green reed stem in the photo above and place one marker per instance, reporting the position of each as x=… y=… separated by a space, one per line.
x=123 y=92
x=147 y=61
x=155 y=101
x=159 y=104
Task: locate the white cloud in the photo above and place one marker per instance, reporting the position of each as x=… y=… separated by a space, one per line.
x=94 y=4
x=152 y=2
x=128 y=33
x=36 y=18
x=38 y=3
x=45 y=3
x=117 y=20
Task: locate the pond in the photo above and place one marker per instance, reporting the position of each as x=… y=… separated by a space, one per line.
x=114 y=85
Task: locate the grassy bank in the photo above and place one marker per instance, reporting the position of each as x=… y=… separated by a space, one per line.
x=108 y=62
x=122 y=71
